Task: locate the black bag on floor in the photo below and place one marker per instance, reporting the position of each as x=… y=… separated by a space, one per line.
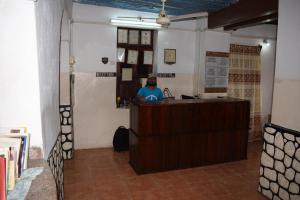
x=121 y=139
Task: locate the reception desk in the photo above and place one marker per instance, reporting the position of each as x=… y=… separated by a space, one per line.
x=178 y=134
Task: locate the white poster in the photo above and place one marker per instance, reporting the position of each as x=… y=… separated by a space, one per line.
x=133 y=37
x=148 y=57
x=127 y=74
x=216 y=70
x=121 y=55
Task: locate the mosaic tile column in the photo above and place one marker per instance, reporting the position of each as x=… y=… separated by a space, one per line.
x=280 y=164
x=56 y=163
x=67 y=131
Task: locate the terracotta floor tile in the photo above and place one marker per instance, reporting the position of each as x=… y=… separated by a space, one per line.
x=125 y=172
x=253 y=195
x=149 y=195
x=85 y=196
x=77 y=177
x=168 y=181
x=106 y=175
x=141 y=183
x=76 y=190
x=110 y=195
x=110 y=185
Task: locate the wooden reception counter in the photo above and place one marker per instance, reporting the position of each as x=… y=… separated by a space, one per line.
x=178 y=134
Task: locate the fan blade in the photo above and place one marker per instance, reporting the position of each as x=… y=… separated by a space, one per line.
x=128 y=17
x=141 y=18
x=148 y=17
x=188 y=17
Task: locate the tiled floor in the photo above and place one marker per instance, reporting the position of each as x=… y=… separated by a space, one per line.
x=105 y=175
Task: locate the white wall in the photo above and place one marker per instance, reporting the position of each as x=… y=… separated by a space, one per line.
x=95 y=115
x=217 y=41
x=254 y=36
x=180 y=36
x=184 y=43
x=212 y=41
x=91 y=43
x=90 y=13
x=68 y=7
x=92 y=39
x=288 y=44
x=286 y=109
x=29 y=72
x=64 y=60
x=48 y=19
x=267 y=31
x=206 y=40
x=19 y=77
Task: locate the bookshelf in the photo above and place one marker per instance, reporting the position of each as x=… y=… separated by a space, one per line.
x=14 y=153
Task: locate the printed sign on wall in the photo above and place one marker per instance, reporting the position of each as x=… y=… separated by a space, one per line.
x=216 y=71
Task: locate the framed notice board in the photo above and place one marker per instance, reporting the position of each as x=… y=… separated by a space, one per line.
x=216 y=72
x=134 y=61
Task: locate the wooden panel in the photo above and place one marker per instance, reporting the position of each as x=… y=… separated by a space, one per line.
x=161 y=122
x=215 y=90
x=145 y=121
x=180 y=135
x=244 y=13
x=185 y=150
x=199 y=146
x=181 y=116
x=134 y=118
x=152 y=157
x=196 y=120
x=170 y=144
x=217 y=54
x=134 y=154
x=242 y=115
x=127 y=90
x=253 y=22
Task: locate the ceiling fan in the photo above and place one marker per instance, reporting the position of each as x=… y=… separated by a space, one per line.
x=164 y=20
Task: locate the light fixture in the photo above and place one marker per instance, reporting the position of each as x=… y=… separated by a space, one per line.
x=266 y=42
x=72 y=60
x=135 y=23
x=163 y=18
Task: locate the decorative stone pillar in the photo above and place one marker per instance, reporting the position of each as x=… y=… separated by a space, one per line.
x=280 y=164
x=66 y=131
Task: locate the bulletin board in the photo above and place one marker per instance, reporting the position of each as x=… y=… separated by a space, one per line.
x=134 y=61
x=216 y=72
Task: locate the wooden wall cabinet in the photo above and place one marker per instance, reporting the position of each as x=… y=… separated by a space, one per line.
x=134 y=45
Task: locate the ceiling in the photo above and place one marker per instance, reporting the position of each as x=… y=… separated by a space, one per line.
x=173 y=7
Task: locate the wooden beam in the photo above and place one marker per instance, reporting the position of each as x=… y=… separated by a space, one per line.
x=243 y=13
x=253 y=22
x=188 y=16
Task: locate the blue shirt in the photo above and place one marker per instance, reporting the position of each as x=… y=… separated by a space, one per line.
x=151 y=95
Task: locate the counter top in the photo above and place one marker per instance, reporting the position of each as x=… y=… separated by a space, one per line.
x=166 y=102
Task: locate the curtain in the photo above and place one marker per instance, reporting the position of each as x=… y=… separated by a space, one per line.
x=244 y=82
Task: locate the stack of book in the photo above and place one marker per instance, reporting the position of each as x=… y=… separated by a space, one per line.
x=14 y=152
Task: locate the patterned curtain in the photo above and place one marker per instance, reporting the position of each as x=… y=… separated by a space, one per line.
x=244 y=82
